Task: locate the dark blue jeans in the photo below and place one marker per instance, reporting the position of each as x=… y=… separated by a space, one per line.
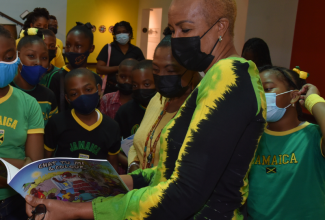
x=13 y=208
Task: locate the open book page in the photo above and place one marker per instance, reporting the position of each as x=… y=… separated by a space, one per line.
x=126 y=144
x=9 y=171
x=67 y=179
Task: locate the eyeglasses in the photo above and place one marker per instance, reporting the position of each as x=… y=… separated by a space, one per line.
x=38 y=213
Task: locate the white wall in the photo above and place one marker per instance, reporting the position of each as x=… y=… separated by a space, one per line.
x=273 y=21
x=14 y=8
x=155 y=30
x=147 y=4
x=240 y=25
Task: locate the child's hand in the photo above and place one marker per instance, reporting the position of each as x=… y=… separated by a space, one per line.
x=306 y=91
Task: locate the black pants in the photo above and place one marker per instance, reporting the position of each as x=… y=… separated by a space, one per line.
x=13 y=208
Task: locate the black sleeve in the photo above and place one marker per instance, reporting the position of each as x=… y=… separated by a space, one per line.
x=140 y=56
x=50 y=135
x=55 y=87
x=119 y=119
x=54 y=105
x=103 y=55
x=116 y=143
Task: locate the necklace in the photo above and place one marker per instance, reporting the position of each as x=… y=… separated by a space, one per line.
x=151 y=156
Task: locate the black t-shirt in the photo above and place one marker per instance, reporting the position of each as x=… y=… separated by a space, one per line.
x=129 y=117
x=70 y=137
x=45 y=98
x=117 y=56
x=55 y=86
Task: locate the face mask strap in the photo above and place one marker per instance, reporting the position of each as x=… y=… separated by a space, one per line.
x=210 y=28
x=285 y=92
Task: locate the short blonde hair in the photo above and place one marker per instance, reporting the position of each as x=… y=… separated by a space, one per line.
x=216 y=9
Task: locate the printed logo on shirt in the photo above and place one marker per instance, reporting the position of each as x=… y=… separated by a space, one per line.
x=2 y=136
x=82 y=145
x=276 y=159
x=134 y=129
x=9 y=122
x=270 y=170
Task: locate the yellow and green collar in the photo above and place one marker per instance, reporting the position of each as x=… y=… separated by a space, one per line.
x=7 y=96
x=284 y=133
x=87 y=127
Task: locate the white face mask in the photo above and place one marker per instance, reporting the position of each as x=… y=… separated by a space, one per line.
x=274 y=113
x=123 y=38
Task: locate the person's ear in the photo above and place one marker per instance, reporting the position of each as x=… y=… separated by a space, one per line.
x=19 y=54
x=92 y=48
x=294 y=97
x=99 y=88
x=56 y=50
x=31 y=25
x=222 y=26
x=66 y=98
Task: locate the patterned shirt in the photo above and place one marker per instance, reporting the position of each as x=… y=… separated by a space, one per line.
x=110 y=103
x=206 y=152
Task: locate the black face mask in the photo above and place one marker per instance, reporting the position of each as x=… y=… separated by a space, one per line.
x=170 y=86
x=55 y=30
x=52 y=55
x=77 y=60
x=143 y=96
x=187 y=52
x=125 y=88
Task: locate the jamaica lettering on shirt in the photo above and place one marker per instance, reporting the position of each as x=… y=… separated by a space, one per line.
x=68 y=136
x=8 y=122
x=288 y=170
x=276 y=159
x=82 y=145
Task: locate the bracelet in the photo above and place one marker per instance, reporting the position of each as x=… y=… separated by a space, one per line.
x=131 y=164
x=312 y=100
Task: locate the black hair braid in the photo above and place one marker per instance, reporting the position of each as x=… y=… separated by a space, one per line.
x=291 y=77
x=34 y=15
x=30 y=38
x=260 y=50
x=85 y=29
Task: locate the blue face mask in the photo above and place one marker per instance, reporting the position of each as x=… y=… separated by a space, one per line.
x=32 y=74
x=274 y=113
x=85 y=104
x=123 y=38
x=8 y=72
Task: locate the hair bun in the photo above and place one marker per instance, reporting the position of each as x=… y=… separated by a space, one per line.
x=167 y=31
x=31 y=32
x=87 y=25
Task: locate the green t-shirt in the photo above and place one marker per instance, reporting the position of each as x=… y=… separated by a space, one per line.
x=287 y=179
x=20 y=114
x=46 y=79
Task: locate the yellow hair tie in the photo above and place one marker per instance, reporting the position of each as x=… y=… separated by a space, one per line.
x=302 y=74
x=29 y=32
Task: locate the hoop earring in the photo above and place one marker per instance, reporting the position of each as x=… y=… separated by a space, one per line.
x=220 y=38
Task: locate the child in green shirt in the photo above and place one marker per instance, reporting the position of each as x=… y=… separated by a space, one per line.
x=287 y=177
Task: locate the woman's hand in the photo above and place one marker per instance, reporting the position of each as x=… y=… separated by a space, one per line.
x=60 y=210
x=306 y=91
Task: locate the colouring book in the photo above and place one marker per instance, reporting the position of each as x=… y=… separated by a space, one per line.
x=66 y=179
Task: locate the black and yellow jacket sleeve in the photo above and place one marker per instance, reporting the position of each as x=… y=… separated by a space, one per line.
x=206 y=153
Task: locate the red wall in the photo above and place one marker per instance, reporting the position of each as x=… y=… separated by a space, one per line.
x=308 y=50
